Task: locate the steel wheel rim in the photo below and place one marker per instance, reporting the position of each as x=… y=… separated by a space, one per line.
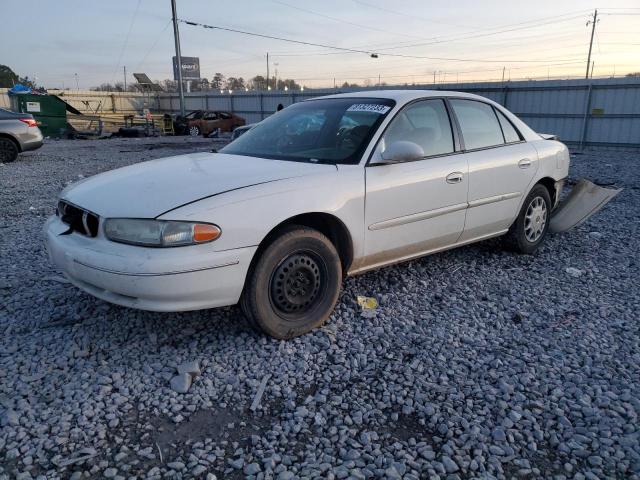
x=535 y=219
x=298 y=284
x=194 y=131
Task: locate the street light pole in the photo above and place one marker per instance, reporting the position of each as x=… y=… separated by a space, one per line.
x=176 y=38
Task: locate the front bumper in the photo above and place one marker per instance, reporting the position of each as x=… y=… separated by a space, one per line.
x=157 y=279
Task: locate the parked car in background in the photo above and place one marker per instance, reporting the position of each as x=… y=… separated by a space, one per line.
x=328 y=187
x=204 y=122
x=19 y=132
x=239 y=131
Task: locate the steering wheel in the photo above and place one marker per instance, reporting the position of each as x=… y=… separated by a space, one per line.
x=350 y=139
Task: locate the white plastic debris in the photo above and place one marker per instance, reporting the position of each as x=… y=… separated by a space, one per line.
x=258 y=396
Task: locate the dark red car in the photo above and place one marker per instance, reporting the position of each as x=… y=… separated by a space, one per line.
x=203 y=122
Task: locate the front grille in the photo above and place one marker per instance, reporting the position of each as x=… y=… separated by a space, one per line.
x=78 y=219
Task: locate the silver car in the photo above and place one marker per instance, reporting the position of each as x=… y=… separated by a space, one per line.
x=19 y=132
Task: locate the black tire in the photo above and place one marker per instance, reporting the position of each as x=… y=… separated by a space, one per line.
x=294 y=284
x=531 y=227
x=8 y=150
x=194 y=131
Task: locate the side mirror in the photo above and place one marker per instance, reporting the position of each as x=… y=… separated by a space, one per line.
x=402 y=151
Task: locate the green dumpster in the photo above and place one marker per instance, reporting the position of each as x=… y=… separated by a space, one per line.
x=49 y=110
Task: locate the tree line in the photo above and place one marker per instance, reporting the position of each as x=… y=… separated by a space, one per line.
x=217 y=82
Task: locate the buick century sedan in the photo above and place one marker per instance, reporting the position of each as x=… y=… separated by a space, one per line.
x=325 y=188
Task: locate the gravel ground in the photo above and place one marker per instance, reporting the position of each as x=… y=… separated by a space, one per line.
x=479 y=363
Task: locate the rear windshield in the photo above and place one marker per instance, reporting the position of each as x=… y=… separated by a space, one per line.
x=332 y=130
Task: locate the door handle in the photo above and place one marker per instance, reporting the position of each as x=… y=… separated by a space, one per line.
x=454 y=177
x=524 y=163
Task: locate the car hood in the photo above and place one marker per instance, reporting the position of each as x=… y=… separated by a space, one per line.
x=149 y=189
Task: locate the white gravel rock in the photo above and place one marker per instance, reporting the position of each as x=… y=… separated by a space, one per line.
x=181 y=383
x=479 y=363
x=192 y=368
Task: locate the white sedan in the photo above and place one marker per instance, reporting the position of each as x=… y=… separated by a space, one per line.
x=328 y=187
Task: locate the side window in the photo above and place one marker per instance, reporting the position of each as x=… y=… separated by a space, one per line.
x=425 y=123
x=211 y=116
x=479 y=125
x=510 y=133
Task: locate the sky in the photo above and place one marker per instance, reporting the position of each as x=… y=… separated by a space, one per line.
x=416 y=41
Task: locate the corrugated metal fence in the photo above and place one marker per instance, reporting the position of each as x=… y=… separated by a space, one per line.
x=584 y=113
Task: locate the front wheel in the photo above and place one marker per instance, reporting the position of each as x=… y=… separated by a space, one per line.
x=294 y=285
x=194 y=131
x=528 y=231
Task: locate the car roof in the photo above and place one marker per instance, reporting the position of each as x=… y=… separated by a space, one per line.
x=403 y=96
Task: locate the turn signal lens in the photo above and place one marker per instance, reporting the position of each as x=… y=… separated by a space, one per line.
x=205 y=233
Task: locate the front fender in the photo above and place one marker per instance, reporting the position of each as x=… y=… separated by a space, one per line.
x=246 y=216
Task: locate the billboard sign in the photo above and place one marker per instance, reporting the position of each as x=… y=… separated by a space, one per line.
x=190 y=68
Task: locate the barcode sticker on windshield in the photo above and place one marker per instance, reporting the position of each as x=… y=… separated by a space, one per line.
x=369 y=107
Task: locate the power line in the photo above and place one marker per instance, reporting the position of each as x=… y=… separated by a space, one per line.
x=339 y=20
x=153 y=46
x=511 y=42
x=126 y=40
x=273 y=37
x=479 y=35
x=412 y=16
x=471 y=35
x=354 y=50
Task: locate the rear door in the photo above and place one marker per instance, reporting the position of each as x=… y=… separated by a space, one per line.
x=501 y=167
x=226 y=122
x=415 y=206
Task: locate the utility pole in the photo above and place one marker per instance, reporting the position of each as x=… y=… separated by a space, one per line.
x=124 y=69
x=593 y=64
x=503 y=68
x=593 y=31
x=176 y=38
x=378 y=80
x=267 y=70
x=275 y=86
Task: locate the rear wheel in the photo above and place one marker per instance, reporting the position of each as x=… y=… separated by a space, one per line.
x=194 y=130
x=528 y=231
x=294 y=285
x=8 y=150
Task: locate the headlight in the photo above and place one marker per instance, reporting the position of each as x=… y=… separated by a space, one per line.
x=159 y=233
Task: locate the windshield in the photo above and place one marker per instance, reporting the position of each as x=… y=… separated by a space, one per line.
x=333 y=130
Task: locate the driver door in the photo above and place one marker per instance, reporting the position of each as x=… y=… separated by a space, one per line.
x=416 y=206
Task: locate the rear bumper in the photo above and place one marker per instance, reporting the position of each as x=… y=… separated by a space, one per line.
x=157 y=279
x=31 y=141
